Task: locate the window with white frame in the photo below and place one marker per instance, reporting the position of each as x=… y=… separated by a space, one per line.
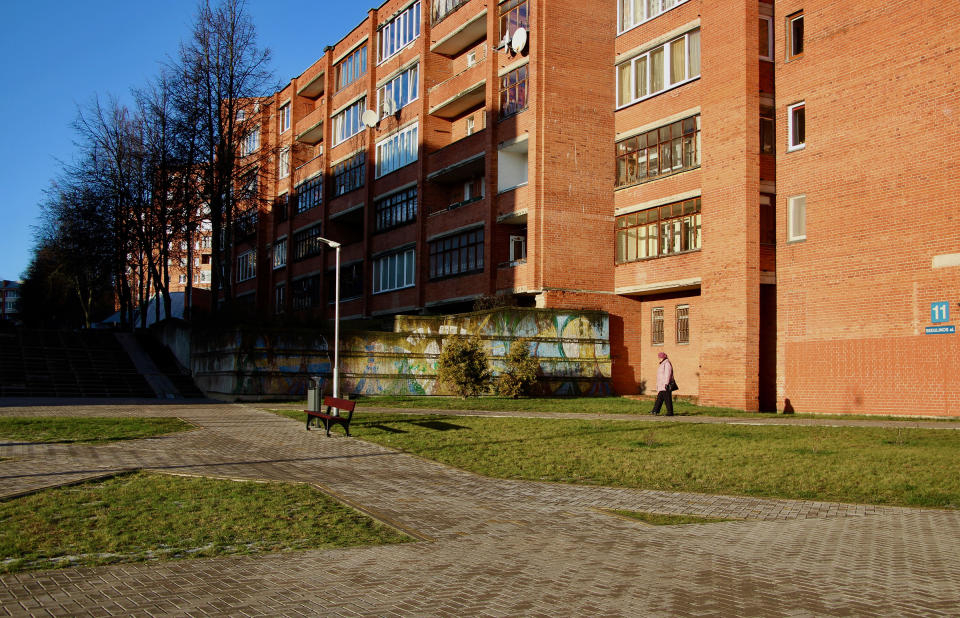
x=399 y=32
x=518 y=248
x=241 y=115
x=797 y=218
x=635 y=12
x=250 y=142
x=280 y=253
x=283 y=163
x=347 y=123
x=352 y=67
x=397 y=150
x=797 y=126
x=394 y=271
x=661 y=68
x=182 y=279
x=766 y=38
x=284 y=117
x=402 y=89
x=246 y=266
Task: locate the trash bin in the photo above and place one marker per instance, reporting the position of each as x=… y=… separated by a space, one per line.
x=315 y=393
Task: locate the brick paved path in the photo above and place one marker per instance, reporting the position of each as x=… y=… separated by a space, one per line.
x=498 y=548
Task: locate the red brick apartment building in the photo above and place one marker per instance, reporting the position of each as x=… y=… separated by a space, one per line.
x=651 y=158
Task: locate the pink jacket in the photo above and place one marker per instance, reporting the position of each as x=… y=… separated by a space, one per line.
x=664 y=374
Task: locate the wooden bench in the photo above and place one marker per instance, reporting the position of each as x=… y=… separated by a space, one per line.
x=328 y=419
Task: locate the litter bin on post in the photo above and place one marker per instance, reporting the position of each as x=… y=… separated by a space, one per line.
x=315 y=394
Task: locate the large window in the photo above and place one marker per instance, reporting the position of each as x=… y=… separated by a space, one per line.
x=513 y=92
x=349 y=175
x=795 y=35
x=246 y=266
x=309 y=194
x=250 y=142
x=396 y=151
x=797 y=126
x=659 y=232
x=396 y=209
x=633 y=12
x=659 y=69
x=513 y=14
x=347 y=123
x=401 y=90
x=399 y=31
x=352 y=67
x=457 y=254
x=307 y=243
x=797 y=218
x=394 y=271
x=656 y=326
x=671 y=148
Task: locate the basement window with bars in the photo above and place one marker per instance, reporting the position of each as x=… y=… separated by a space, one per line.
x=666 y=150
x=656 y=326
x=658 y=232
x=683 y=323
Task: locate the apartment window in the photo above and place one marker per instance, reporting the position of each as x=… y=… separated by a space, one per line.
x=351 y=282
x=399 y=31
x=518 y=248
x=797 y=218
x=245 y=223
x=658 y=232
x=280 y=253
x=246 y=266
x=347 y=123
x=442 y=8
x=656 y=326
x=284 y=117
x=394 y=271
x=666 y=150
x=471 y=59
x=469 y=125
x=472 y=192
x=767 y=132
x=182 y=279
x=795 y=35
x=766 y=38
x=309 y=193
x=250 y=142
x=634 y=12
x=283 y=163
x=683 y=323
x=513 y=92
x=659 y=69
x=349 y=174
x=458 y=254
x=513 y=14
x=352 y=67
x=796 y=126
x=305 y=292
x=280 y=298
x=281 y=208
x=396 y=151
x=402 y=89
x=307 y=243
x=396 y=209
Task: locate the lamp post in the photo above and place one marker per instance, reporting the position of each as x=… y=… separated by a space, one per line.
x=336 y=318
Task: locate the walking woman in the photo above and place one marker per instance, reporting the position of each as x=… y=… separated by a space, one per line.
x=665 y=384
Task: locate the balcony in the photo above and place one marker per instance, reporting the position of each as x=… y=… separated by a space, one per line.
x=460 y=93
x=459 y=31
x=313 y=86
x=309 y=129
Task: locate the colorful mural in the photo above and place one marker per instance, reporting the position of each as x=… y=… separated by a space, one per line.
x=573 y=348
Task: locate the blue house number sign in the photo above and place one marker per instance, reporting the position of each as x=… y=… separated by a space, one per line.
x=939 y=312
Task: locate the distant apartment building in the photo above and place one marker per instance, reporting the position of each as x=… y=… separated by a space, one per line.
x=650 y=158
x=9 y=299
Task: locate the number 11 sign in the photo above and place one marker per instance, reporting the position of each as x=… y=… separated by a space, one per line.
x=939 y=312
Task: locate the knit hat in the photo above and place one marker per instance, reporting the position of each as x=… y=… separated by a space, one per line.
x=661 y=356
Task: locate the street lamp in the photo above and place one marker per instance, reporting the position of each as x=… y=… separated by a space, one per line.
x=336 y=319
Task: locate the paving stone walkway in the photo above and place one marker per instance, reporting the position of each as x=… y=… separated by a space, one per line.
x=489 y=547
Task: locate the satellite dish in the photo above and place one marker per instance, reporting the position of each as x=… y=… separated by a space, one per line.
x=519 y=40
x=369 y=118
x=504 y=43
x=389 y=106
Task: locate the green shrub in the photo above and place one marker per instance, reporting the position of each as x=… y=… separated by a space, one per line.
x=520 y=371
x=463 y=367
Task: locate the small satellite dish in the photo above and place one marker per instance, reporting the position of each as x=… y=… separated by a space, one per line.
x=389 y=106
x=369 y=118
x=519 y=40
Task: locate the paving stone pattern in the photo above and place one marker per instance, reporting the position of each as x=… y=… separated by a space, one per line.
x=490 y=547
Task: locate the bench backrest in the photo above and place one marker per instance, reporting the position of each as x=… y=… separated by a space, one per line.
x=341 y=404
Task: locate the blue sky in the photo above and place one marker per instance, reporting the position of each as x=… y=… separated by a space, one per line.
x=55 y=56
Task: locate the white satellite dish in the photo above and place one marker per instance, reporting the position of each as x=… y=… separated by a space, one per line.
x=519 y=40
x=389 y=106
x=505 y=43
x=369 y=118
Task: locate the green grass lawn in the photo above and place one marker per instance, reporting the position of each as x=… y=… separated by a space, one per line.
x=89 y=429
x=911 y=467
x=146 y=516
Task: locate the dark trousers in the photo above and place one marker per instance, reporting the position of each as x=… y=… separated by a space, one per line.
x=663 y=397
